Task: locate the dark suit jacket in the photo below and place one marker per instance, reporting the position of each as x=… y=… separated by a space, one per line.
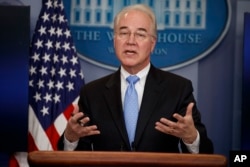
x=164 y=94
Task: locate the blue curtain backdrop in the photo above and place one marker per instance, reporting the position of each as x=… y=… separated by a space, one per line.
x=14 y=51
x=246 y=85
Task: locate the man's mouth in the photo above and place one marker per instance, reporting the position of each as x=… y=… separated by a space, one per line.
x=130 y=52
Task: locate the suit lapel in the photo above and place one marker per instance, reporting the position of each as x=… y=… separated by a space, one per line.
x=113 y=98
x=151 y=94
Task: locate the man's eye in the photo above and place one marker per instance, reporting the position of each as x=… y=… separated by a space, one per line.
x=140 y=35
x=124 y=33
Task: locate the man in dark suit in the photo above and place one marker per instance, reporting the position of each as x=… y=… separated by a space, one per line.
x=168 y=119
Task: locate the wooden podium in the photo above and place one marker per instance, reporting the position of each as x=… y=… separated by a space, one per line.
x=123 y=159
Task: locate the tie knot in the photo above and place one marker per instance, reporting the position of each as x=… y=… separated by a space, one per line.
x=132 y=79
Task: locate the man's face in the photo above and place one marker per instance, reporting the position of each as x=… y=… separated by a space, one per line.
x=133 y=40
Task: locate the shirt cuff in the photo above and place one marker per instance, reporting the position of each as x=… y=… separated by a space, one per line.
x=194 y=147
x=69 y=146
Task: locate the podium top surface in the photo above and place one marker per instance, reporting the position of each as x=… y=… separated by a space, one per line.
x=145 y=159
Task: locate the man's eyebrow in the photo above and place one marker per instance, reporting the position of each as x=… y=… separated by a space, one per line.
x=139 y=29
x=123 y=27
x=142 y=29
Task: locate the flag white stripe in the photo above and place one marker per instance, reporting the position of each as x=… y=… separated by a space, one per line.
x=21 y=158
x=60 y=124
x=38 y=134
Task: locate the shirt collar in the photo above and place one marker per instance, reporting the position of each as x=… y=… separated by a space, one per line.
x=141 y=74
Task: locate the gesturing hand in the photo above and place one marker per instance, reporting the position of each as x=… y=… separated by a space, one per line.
x=76 y=126
x=184 y=127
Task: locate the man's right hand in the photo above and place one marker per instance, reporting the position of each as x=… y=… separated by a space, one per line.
x=77 y=126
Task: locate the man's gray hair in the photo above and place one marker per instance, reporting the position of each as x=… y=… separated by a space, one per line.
x=139 y=7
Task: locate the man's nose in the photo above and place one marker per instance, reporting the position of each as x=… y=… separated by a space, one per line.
x=131 y=38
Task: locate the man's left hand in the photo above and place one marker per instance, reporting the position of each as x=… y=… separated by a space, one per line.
x=184 y=127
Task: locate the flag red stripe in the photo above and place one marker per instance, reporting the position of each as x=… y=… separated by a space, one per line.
x=13 y=162
x=53 y=136
x=31 y=146
x=68 y=111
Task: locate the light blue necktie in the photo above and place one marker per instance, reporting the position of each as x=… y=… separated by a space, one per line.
x=131 y=107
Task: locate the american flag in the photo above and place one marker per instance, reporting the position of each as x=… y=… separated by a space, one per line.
x=55 y=78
